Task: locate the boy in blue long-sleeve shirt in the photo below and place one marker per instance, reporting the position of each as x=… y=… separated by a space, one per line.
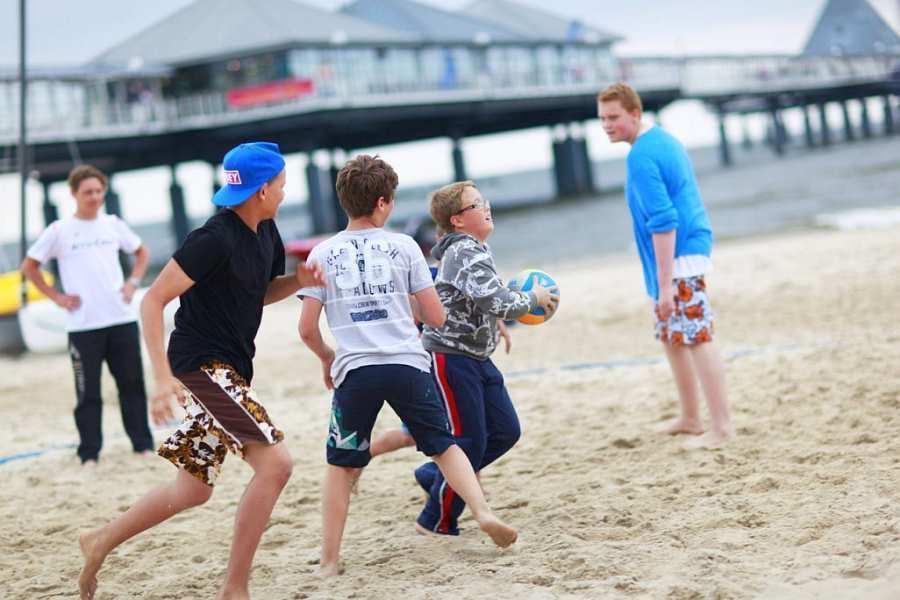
x=674 y=241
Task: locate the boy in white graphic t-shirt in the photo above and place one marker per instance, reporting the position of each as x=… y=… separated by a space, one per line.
x=373 y=279
x=101 y=321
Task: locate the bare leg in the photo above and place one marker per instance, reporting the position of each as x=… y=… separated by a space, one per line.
x=688 y=393
x=481 y=485
x=711 y=372
x=457 y=470
x=272 y=466
x=153 y=508
x=390 y=440
x=335 y=505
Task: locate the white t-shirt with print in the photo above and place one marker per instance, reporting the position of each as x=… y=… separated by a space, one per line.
x=87 y=252
x=369 y=275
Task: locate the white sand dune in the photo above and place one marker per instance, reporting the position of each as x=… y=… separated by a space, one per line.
x=805 y=503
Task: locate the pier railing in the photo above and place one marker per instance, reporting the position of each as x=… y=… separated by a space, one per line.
x=86 y=114
x=705 y=76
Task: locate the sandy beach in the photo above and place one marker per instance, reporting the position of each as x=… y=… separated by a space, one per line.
x=805 y=503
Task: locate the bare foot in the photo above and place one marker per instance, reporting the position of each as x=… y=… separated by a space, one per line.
x=233 y=594
x=502 y=534
x=329 y=570
x=709 y=440
x=93 y=560
x=679 y=426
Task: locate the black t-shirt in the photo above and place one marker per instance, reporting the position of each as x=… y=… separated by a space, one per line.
x=220 y=315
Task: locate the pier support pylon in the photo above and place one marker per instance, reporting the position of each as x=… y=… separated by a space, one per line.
x=584 y=152
x=848 y=124
x=572 y=167
x=216 y=186
x=459 y=161
x=112 y=202
x=724 y=147
x=180 y=224
x=746 y=140
x=808 y=136
x=321 y=208
x=824 y=130
x=48 y=208
x=888 y=115
x=865 y=124
x=778 y=132
x=340 y=217
x=563 y=172
x=582 y=175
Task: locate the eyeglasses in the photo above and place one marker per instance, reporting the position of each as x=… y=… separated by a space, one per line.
x=483 y=204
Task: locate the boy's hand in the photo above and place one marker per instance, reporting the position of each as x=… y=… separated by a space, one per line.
x=310 y=275
x=326 y=369
x=666 y=304
x=504 y=333
x=67 y=301
x=166 y=389
x=545 y=298
x=128 y=289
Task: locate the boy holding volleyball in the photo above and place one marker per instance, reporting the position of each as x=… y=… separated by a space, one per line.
x=481 y=414
x=370 y=275
x=674 y=241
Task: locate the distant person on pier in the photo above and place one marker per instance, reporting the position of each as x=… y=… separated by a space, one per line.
x=674 y=241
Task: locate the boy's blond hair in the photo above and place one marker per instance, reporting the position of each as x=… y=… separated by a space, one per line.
x=445 y=202
x=625 y=94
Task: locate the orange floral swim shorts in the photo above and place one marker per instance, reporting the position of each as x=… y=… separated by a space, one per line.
x=692 y=321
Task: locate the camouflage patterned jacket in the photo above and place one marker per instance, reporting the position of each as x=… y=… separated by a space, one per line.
x=474 y=297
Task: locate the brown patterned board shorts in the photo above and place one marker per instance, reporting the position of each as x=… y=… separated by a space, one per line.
x=692 y=321
x=222 y=413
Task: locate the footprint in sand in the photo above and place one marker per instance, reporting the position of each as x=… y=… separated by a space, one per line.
x=514 y=505
x=273 y=543
x=765 y=484
x=625 y=444
x=866 y=438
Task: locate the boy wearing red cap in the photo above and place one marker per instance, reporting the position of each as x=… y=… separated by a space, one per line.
x=224 y=273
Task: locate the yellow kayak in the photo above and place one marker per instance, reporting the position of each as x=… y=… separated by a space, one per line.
x=10 y=294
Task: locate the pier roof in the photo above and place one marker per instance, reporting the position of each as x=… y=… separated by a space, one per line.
x=538 y=25
x=851 y=28
x=432 y=24
x=208 y=30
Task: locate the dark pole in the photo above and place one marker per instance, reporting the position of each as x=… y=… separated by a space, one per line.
x=724 y=149
x=22 y=147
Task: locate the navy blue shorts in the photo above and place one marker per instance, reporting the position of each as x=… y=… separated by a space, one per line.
x=356 y=403
x=483 y=421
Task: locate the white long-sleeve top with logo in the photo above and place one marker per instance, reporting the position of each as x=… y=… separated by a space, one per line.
x=370 y=274
x=87 y=252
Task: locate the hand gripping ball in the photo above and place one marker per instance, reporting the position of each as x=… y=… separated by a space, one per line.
x=523 y=282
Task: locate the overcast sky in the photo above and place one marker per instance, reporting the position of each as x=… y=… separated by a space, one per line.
x=74 y=31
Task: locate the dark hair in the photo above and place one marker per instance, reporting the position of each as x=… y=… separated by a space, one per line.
x=82 y=172
x=362 y=181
